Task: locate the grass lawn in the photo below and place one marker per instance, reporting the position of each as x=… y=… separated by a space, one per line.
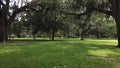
x=71 y=53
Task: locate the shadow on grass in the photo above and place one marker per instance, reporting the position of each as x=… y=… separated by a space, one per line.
x=31 y=40
x=62 y=54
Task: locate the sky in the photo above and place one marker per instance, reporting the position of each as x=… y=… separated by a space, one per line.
x=18 y=2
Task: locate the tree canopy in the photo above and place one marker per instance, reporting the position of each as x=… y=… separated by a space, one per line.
x=71 y=18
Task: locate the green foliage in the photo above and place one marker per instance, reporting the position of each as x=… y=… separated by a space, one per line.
x=54 y=14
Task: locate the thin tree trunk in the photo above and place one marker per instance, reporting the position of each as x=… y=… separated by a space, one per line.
x=53 y=34
x=82 y=35
x=34 y=37
x=68 y=35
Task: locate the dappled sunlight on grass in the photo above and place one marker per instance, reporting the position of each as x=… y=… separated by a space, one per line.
x=71 y=53
x=2 y=51
x=102 y=52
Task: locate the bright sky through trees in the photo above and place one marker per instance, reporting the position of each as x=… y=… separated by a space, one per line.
x=19 y=2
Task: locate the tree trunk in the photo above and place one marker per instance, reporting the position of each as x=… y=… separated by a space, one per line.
x=4 y=18
x=18 y=35
x=115 y=8
x=82 y=35
x=34 y=36
x=97 y=35
x=118 y=29
x=5 y=31
x=84 y=31
x=1 y=32
x=68 y=36
x=53 y=34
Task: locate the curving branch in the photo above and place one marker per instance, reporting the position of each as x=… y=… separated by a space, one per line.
x=102 y=11
x=29 y=6
x=1 y=3
x=89 y=10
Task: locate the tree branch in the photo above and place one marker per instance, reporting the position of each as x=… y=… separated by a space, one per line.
x=89 y=11
x=87 y=28
x=28 y=6
x=77 y=14
x=102 y=11
x=1 y=3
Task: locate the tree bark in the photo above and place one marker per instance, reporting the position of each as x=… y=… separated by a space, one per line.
x=118 y=29
x=84 y=31
x=1 y=25
x=4 y=22
x=53 y=34
x=18 y=35
x=97 y=34
x=115 y=8
x=5 y=31
x=82 y=35
x=1 y=31
x=34 y=37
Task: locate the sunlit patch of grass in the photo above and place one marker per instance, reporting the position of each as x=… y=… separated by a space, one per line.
x=101 y=52
x=65 y=53
x=2 y=51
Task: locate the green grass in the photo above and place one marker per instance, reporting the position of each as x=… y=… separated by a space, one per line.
x=71 y=53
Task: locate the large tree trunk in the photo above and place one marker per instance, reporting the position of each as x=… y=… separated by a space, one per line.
x=7 y=21
x=1 y=35
x=115 y=8
x=1 y=31
x=4 y=22
x=1 y=25
x=6 y=30
x=118 y=29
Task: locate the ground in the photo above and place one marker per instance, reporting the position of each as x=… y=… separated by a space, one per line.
x=65 y=53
